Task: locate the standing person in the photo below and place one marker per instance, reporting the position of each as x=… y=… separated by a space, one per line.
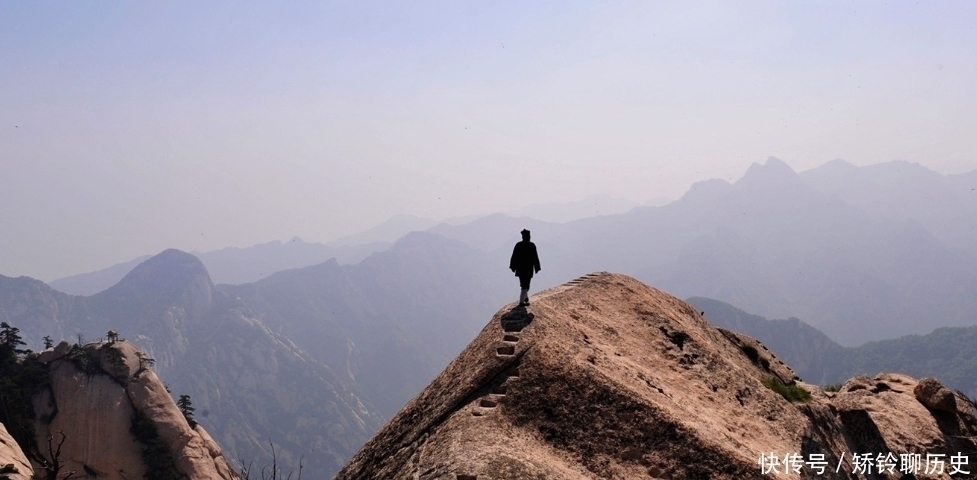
x=524 y=262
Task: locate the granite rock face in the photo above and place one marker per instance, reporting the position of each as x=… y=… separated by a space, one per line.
x=13 y=462
x=605 y=377
x=97 y=394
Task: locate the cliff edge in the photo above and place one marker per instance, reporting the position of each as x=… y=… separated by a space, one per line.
x=103 y=414
x=605 y=377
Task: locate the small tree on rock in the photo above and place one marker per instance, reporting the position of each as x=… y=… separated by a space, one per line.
x=186 y=408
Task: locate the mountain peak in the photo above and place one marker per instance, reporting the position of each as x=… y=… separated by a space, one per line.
x=170 y=265
x=606 y=377
x=775 y=170
x=170 y=276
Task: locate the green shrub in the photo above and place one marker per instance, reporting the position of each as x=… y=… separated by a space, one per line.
x=833 y=387
x=792 y=392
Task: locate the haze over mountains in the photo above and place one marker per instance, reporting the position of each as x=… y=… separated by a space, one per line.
x=250 y=385
x=316 y=356
x=392 y=321
x=311 y=359
x=233 y=265
x=861 y=253
x=949 y=353
x=773 y=244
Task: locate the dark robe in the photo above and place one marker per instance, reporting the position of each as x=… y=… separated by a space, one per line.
x=524 y=260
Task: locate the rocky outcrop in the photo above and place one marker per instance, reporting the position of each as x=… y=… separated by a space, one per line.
x=251 y=384
x=605 y=377
x=13 y=462
x=112 y=418
x=195 y=457
x=930 y=392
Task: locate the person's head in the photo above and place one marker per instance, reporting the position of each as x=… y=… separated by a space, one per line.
x=525 y=234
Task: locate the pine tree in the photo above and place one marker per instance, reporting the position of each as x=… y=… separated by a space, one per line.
x=10 y=340
x=186 y=408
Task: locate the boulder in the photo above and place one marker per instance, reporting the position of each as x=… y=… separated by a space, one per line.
x=119 y=359
x=930 y=392
x=55 y=353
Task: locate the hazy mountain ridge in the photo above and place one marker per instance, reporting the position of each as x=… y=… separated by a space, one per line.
x=38 y=309
x=769 y=242
x=315 y=357
x=391 y=321
x=947 y=353
x=903 y=191
x=776 y=245
x=233 y=265
x=853 y=250
x=249 y=384
x=93 y=282
x=236 y=265
x=562 y=212
x=386 y=232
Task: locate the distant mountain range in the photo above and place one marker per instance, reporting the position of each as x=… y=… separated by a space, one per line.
x=859 y=252
x=390 y=322
x=785 y=244
x=949 y=353
x=250 y=385
x=311 y=359
x=233 y=265
x=318 y=355
x=592 y=206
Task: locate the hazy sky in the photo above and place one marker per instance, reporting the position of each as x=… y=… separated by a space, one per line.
x=130 y=127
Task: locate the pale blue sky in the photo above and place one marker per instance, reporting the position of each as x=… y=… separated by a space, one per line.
x=131 y=127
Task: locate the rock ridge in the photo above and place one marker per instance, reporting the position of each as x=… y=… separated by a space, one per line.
x=604 y=377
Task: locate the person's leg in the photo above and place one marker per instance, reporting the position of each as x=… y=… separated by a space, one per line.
x=524 y=294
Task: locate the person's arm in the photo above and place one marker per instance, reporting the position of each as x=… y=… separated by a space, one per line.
x=512 y=259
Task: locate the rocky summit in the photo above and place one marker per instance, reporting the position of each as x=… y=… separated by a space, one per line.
x=605 y=377
x=100 y=412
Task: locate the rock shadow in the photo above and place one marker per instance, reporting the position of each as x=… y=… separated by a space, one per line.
x=959 y=441
x=863 y=436
x=516 y=319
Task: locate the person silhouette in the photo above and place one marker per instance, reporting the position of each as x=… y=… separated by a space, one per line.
x=524 y=263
